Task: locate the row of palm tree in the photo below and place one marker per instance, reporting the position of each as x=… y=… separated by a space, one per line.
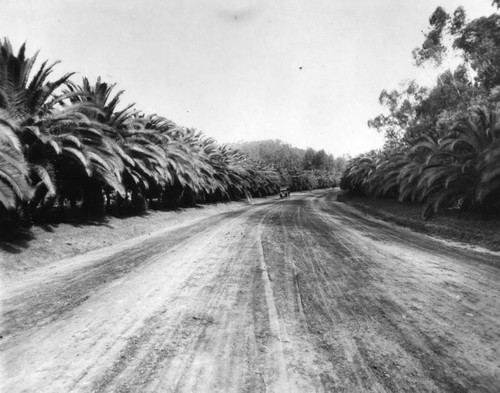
x=461 y=169
x=69 y=145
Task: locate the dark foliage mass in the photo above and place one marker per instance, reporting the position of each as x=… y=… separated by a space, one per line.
x=442 y=143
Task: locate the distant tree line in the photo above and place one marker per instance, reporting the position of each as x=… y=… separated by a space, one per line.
x=298 y=169
x=442 y=144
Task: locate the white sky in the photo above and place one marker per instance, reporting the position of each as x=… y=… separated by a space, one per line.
x=232 y=68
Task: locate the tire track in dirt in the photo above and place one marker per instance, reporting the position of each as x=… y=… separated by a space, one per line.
x=341 y=214
x=295 y=295
x=215 y=329
x=219 y=342
x=365 y=309
x=430 y=351
x=181 y=248
x=279 y=372
x=324 y=299
x=47 y=301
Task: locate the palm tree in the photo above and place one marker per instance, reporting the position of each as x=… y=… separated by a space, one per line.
x=358 y=171
x=14 y=172
x=24 y=97
x=46 y=128
x=488 y=190
x=463 y=169
x=78 y=145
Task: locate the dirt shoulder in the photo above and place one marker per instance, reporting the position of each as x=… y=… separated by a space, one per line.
x=46 y=244
x=464 y=227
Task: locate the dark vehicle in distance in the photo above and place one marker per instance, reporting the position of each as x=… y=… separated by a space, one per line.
x=284 y=192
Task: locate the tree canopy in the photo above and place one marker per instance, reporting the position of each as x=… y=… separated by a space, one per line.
x=299 y=169
x=442 y=143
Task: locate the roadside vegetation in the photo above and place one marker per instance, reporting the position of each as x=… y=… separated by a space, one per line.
x=299 y=169
x=71 y=149
x=442 y=144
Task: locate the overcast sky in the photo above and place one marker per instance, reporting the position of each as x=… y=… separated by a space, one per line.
x=308 y=72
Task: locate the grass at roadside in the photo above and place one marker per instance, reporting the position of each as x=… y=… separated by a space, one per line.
x=465 y=227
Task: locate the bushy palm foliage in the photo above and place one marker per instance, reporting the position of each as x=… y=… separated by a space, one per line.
x=358 y=173
x=462 y=169
x=61 y=141
x=22 y=95
x=14 y=186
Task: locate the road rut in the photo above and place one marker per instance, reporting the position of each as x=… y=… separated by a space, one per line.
x=297 y=295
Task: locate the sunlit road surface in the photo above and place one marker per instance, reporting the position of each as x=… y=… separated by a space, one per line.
x=304 y=294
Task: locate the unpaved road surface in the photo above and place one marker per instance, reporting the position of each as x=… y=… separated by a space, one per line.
x=304 y=294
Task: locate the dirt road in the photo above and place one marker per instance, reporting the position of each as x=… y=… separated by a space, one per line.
x=304 y=295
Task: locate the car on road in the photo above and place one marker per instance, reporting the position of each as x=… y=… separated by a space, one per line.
x=284 y=192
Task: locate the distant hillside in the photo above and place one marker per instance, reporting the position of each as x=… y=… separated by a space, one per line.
x=299 y=169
